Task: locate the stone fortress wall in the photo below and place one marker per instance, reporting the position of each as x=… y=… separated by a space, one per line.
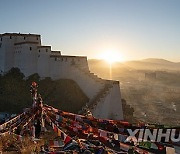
x=26 y=52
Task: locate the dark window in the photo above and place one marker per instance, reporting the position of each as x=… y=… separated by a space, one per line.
x=37 y=38
x=24 y=38
x=30 y=48
x=46 y=50
x=0 y=45
x=1 y=38
x=55 y=59
x=10 y=37
x=39 y=50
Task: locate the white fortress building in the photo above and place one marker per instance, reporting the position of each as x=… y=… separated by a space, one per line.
x=26 y=52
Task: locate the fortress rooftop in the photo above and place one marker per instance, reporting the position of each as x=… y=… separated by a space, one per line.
x=67 y=56
x=18 y=34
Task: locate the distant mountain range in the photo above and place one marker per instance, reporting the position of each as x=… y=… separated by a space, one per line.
x=145 y=64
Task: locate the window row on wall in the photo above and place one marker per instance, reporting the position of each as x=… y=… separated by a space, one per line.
x=17 y=52
x=60 y=59
x=16 y=36
x=30 y=48
x=20 y=52
x=17 y=47
x=41 y=50
x=66 y=59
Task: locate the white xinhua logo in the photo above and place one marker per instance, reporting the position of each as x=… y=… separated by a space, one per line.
x=153 y=135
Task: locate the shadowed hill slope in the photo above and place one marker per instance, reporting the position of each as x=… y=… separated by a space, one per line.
x=63 y=94
x=14 y=92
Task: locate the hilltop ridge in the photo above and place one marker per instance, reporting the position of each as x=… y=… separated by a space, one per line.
x=144 y=64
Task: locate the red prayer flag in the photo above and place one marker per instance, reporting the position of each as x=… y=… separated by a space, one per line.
x=67 y=139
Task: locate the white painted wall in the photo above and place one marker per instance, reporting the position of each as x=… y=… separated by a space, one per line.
x=63 y=68
x=27 y=38
x=7 y=52
x=8 y=47
x=86 y=81
x=110 y=107
x=2 y=56
x=55 y=53
x=59 y=67
x=26 y=59
x=43 y=63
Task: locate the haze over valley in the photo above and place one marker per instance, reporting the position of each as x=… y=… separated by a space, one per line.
x=150 y=86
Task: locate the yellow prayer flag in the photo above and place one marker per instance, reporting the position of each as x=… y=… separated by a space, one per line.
x=59 y=132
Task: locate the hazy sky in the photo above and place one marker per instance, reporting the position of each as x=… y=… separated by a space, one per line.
x=135 y=28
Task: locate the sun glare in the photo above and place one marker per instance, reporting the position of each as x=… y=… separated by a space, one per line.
x=111 y=56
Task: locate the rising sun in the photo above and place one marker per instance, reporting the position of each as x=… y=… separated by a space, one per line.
x=111 y=56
